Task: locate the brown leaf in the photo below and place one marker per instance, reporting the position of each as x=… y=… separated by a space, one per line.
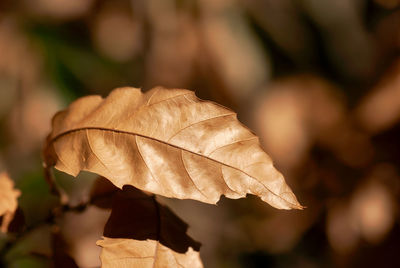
x=138 y=216
x=143 y=230
x=167 y=142
x=102 y=193
x=121 y=253
x=8 y=201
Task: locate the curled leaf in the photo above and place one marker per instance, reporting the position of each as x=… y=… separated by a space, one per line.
x=167 y=142
x=8 y=201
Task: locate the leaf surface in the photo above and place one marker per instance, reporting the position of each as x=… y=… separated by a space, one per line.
x=121 y=253
x=141 y=232
x=168 y=142
x=137 y=215
x=8 y=201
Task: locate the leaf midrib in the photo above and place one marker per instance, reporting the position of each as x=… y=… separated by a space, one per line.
x=65 y=133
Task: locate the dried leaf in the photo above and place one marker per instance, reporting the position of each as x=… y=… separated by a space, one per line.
x=167 y=142
x=143 y=230
x=121 y=253
x=138 y=216
x=8 y=201
x=102 y=193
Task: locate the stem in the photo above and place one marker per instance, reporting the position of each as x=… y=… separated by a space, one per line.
x=50 y=219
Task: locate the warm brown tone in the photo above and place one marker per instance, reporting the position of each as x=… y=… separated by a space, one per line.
x=8 y=201
x=141 y=228
x=138 y=216
x=167 y=142
x=123 y=253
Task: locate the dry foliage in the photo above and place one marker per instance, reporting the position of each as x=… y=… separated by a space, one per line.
x=141 y=232
x=149 y=253
x=166 y=142
x=8 y=201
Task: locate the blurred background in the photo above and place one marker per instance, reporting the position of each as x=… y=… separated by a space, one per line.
x=317 y=80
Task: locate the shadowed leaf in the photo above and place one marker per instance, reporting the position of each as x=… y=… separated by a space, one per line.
x=157 y=236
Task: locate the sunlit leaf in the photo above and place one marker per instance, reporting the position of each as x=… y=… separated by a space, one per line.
x=167 y=142
x=8 y=201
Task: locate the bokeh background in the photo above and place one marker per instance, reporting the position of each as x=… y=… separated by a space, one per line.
x=317 y=80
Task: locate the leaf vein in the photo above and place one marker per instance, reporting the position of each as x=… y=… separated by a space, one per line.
x=229 y=144
x=144 y=161
x=155 y=254
x=199 y=122
x=93 y=152
x=190 y=177
x=223 y=178
x=167 y=99
x=172 y=145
